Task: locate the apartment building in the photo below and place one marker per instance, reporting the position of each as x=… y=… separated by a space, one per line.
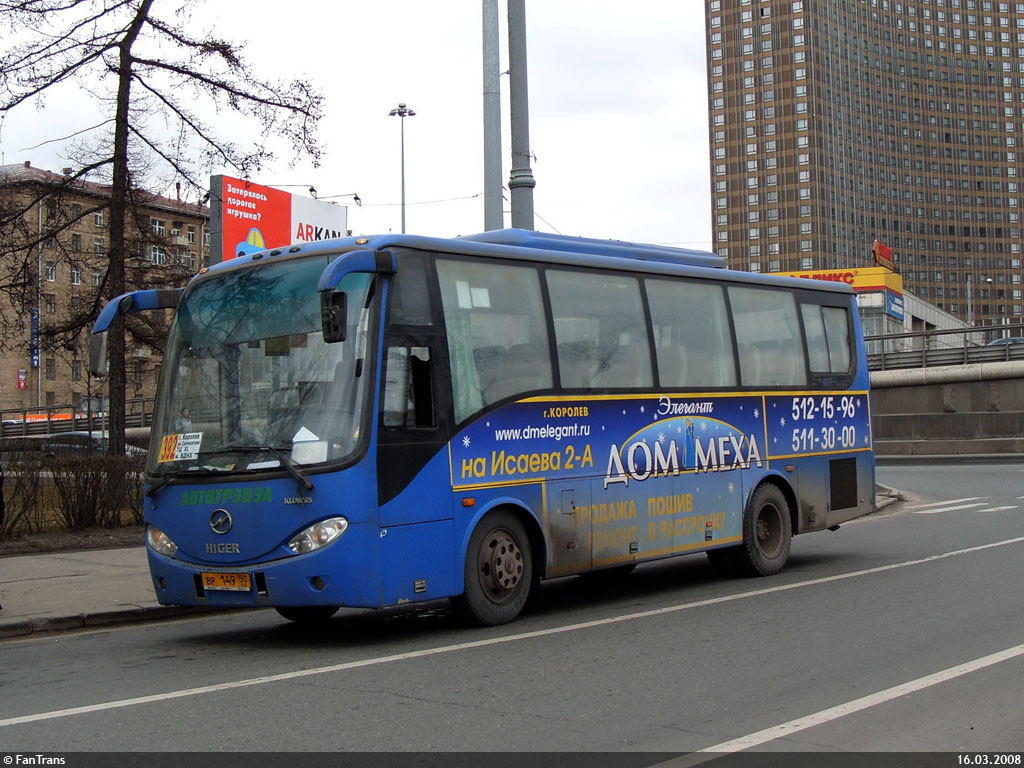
x=835 y=123
x=54 y=242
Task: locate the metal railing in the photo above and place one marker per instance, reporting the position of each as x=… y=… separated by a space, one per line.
x=957 y=346
x=66 y=418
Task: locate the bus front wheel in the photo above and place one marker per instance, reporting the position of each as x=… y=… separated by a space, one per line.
x=498 y=571
x=767 y=534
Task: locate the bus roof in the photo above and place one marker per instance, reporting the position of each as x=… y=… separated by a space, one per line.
x=525 y=238
x=549 y=248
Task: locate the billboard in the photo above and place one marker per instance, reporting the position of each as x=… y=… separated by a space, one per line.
x=247 y=217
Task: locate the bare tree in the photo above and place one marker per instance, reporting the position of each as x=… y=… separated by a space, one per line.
x=162 y=79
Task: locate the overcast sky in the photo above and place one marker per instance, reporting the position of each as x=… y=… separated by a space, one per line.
x=618 y=111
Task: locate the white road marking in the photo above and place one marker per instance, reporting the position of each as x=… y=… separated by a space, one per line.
x=426 y=652
x=947 y=509
x=827 y=715
x=947 y=501
x=997 y=509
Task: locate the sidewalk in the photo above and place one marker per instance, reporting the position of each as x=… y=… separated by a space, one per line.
x=70 y=590
x=97 y=587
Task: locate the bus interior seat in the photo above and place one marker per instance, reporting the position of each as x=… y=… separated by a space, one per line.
x=577 y=362
x=672 y=365
x=520 y=372
x=750 y=363
x=490 y=362
x=623 y=366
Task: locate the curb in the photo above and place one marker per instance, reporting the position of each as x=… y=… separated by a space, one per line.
x=63 y=622
x=885 y=497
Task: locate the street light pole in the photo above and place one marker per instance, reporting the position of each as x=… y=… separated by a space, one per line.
x=402 y=112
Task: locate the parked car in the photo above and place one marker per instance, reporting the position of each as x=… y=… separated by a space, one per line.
x=1007 y=340
x=78 y=442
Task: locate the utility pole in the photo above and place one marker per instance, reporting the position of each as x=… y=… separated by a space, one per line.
x=521 y=181
x=493 y=217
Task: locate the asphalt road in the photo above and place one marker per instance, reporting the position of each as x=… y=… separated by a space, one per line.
x=900 y=632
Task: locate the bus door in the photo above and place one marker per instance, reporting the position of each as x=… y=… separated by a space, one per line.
x=414 y=425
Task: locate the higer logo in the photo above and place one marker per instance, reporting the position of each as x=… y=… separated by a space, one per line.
x=222 y=548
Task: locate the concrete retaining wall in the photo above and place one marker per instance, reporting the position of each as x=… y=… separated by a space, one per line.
x=963 y=409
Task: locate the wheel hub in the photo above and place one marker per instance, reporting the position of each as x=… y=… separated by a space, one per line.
x=501 y=565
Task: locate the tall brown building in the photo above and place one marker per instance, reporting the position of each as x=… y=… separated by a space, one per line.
x=837 y=122
x=53 y=259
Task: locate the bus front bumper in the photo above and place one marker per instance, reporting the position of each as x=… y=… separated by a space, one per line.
x=324 y=577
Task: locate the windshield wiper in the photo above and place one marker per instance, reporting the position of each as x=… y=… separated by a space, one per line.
x=285 y=460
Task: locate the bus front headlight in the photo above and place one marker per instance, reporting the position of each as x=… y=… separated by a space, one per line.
x=160 y=542
x=318 y=535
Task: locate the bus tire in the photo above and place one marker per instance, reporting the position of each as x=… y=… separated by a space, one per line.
x=498 y=571
x=307 y=614
x=767 y=534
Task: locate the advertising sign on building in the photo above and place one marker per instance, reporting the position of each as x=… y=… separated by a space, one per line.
x=894 y=304
x=247 y=217
x=882 y=254
x=22 y=378
x=858 y=278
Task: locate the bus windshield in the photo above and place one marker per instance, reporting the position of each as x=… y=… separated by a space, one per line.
x=248 y=381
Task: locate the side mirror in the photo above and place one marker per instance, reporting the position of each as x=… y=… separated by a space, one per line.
x=333 y=316
x=125 y=304
x=98 y=354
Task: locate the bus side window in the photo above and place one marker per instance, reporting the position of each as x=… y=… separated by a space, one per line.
x=837 y=332
x=814 y=332
x=768 y=337
x=694 y=343
x=497 y=339
x=600 y=330
x=828 y=338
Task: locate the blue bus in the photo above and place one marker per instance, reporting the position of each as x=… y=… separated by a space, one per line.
x=387 y=420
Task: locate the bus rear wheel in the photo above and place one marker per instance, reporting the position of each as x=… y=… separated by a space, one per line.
x=498 y=571
x=767 y=534
x=307 y=614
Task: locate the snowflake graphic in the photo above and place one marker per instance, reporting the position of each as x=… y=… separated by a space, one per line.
x=757 y=413
x=782 y=421
x=661 y=437
x=703 y=426
x=732 y=487
x=642 y=409
x=465 y=442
